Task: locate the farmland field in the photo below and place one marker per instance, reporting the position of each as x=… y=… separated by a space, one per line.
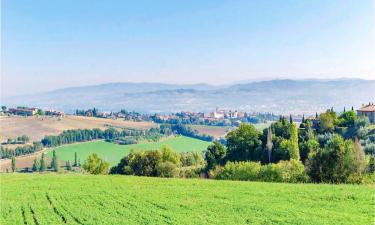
x=36 y=127
x=221 y=131
x=114 y=152
x=87 y=199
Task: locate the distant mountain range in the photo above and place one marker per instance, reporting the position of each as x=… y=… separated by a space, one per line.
x=277 y=96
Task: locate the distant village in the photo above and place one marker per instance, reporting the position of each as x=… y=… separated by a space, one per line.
x=219 y=117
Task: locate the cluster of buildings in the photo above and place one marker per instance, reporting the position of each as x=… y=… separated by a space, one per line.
x=225 y=114
x=26 y=111
x=23 y=111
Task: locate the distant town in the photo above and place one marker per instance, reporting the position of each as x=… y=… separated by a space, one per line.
x=219 y=117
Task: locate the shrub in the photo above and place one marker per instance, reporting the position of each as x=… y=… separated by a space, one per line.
x=95 y=165
x=291 y=171
x=240 y=171
x=285 y=171
x=270 y=173
x=167 y=169
x=190 y=172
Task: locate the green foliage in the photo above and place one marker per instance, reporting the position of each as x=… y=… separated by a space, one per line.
x=215 y=155
x=43 y=163
x=244 y=144
x=167 y=169
x=327 y=121
x=36 y=165
x=339 y=161
x=284 y=171
x=95 y=165
x=240 y=171
x=139 y=164
x=14 y=168
x=347 y=119
x=293 y=147
x=54 y=162
x=168 y=155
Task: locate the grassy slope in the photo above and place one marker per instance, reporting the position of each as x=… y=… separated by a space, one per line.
x=113 y=152
x=87 y=199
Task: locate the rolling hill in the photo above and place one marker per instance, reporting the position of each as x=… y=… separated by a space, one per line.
x=277 y=96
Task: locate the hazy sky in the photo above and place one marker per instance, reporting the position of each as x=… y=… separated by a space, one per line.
x=52 y=44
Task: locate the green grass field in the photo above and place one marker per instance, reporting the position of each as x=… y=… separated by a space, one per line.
x=87 y=199
x=112 y=153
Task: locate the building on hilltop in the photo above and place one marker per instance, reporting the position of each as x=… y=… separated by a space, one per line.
x=23 y=111
x=368 y=111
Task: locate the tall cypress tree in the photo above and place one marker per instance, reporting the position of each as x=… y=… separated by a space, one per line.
x=54 y=162
x=43 y=164
x=14 y=164
x=269 y=143
x=75 y=159
x=36 y=165
x=294 y=149
x=290 y=118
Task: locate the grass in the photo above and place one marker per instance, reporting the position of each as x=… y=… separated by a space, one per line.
x=87 y=199
x=112 y=153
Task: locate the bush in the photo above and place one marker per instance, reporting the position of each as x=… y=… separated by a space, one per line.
x=240 y=171
x=291 y=171
x=95 y=165
x=285 y=171
x=270 y=173
x=167 y=169
x=190 y=172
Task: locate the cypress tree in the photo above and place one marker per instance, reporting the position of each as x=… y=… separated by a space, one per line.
x=14 y=164
x=269 y=144
x=75 y=159
x=68 y=166
x=303 y=118
x=294 y=149
x=43 y=164
x=54 y=162
x=36 y=165
x=290 y=118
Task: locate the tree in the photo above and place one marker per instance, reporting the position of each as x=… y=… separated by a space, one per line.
x=68 y=166
x=339 y=161
x=168 y=155
x=3 y=108
x=294 y=149
x=40 y=112
x=43 y=163
x=95 y=165
x=243 y=144
x=269 y=144
x=36 y=165
x=75 y=159
x=14 y=164
x=290 y=118
x=54 y=162
x=215 y=155
x=327 y=122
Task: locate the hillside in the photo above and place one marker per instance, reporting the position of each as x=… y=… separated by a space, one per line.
x=113 y=153
x=278 y=96
x=110 y=152
x=87 y=199
x=37 y=127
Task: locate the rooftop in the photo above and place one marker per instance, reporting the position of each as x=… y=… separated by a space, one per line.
x=367 y=108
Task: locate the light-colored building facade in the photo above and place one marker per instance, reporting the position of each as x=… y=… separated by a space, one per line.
x=368 y=111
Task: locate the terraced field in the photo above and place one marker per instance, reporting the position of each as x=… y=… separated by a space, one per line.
x=87 y=199
x=112 y=153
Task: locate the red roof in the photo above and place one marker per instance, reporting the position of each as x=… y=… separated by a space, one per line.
x=367 y=108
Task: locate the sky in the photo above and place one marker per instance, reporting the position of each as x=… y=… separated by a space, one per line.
x=48 y=44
